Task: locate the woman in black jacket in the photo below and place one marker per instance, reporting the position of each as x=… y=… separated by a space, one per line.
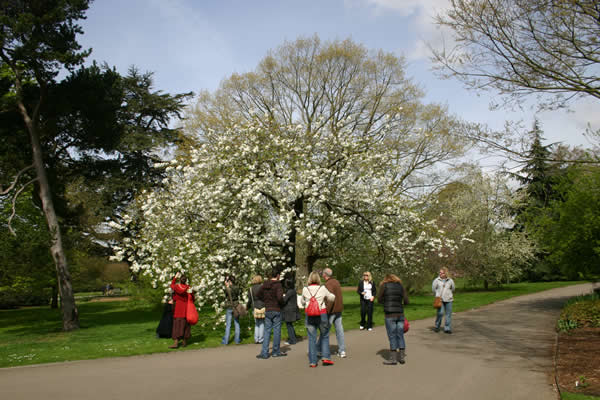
x=393 y=297
x=290 y=310
x=367 y=292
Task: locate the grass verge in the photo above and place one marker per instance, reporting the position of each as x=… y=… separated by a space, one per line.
x=124 y=328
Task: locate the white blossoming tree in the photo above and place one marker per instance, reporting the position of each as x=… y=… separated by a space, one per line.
x=324 y=150
x=241 y=203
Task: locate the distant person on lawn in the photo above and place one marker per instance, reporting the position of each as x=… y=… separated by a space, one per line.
x=443 y=286
x=181 y=329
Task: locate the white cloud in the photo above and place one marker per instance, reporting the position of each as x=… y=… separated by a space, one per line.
x=421 y=15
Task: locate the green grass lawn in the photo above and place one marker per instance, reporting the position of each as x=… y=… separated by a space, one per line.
x=122 y=328
x=576 y=396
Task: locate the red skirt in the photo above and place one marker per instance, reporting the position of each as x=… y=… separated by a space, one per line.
x=181 y=329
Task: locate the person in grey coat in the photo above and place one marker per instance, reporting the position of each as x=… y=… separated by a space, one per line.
x=290 y=311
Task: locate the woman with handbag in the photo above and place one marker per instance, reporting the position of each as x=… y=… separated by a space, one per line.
x=367 y=292
x=232 y=294
x=258 y=309
x=443 y=288
x=393 y=296
x=290 y=310
x=313 y=299
x=182 y=330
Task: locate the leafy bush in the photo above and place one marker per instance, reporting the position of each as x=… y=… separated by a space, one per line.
x=581 y=311
x=13 y=298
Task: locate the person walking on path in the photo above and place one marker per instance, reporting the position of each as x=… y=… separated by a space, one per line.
x=271 y=293
x=258 y=309
x=232 y=295
x=290 y=310
x=393 y=297
x=314 y=289
x=334 y=310
x=443 y=286
x=367 y=292
x=182 y=330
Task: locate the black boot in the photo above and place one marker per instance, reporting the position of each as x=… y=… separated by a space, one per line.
x=401 y=355
x=392 y=358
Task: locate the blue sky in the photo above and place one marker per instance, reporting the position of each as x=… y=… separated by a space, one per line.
x=192 y=45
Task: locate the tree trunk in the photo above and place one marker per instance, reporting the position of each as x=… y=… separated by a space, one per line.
x=486 y=284
x=67 y=299
x=303 y=264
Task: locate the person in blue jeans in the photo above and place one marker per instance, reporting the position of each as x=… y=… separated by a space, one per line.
x=443 y=286
x=334 y=311
x=232 y=294
x=315 y=290
x=258 y=309
x=393 y=297
x=271 y=293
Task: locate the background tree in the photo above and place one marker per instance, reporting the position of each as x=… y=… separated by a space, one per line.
x=27 y=273
x=568 y=230
x=521 y=47
x=37 y=40
x=477 y=211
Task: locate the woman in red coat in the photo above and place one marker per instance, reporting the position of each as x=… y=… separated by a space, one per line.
x=181 y=328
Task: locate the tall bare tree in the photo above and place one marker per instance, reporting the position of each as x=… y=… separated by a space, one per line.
x=549 y=48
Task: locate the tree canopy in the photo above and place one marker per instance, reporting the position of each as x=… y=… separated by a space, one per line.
x=522 y=47
x=324 y=146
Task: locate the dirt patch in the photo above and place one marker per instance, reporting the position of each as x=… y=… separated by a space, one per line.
x=578 y=359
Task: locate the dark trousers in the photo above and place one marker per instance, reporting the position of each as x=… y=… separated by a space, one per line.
x=366 y=313
x=291 y=332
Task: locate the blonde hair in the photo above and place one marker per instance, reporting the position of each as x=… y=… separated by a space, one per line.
x=445 y=269
x=256 y=279
x=314 y=278
x=391 y=278
x=369 y=274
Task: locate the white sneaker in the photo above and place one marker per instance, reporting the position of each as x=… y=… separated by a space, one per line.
x=362 y=327
x=370 y=329
x=342 y=354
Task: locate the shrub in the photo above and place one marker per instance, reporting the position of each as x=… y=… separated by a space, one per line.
x=580 y=312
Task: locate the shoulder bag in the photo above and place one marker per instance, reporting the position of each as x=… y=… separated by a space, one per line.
x=437 y=302
x=258 y=313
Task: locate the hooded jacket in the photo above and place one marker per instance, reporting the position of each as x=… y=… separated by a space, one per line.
x=271 y=292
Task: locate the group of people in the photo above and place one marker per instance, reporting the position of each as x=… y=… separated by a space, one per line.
x=274 y=301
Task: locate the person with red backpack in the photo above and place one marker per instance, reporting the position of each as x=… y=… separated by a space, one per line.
x=313 y=299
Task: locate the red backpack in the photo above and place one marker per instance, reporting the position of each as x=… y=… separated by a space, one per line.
x=313 y=309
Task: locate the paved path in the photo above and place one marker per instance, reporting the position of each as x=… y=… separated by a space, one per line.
x=502 y=351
